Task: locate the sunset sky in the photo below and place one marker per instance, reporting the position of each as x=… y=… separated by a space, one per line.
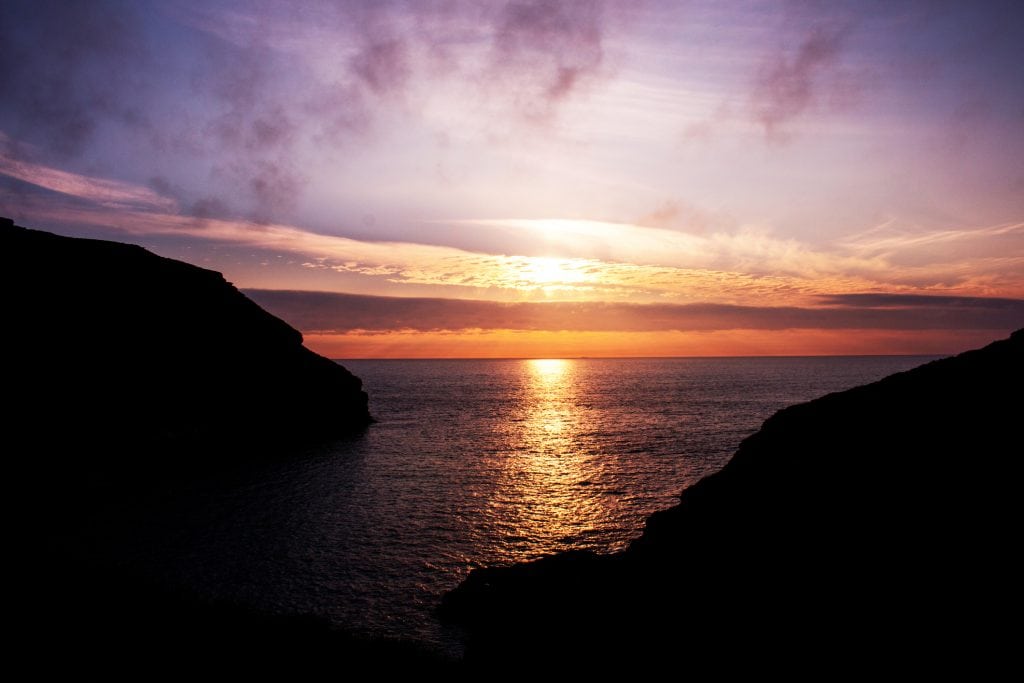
x=450 y=178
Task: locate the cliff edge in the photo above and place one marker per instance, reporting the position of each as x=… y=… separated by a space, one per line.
x=868 y=528
x=109 y=345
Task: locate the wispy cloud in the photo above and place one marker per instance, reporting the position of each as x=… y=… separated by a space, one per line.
x=110 y=194
x=990 y=258
x=967 y=258
x=571 y=259
x=890 y=241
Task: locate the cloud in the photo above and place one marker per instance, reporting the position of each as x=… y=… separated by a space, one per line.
x=331 y=313
x=79 y=78
x=535 y=52
x=922 y=301
x=859 y=263
x=990 y=258
x=546 y=50
x=382 y=66
x=789 y=82
x=65 y=68
x=895 y=242
x=677 y=215
x=246 y=97
x=110 y=194
x=588 y=259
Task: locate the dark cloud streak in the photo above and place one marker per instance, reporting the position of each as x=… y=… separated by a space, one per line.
x=326 y=312
x=920 y=301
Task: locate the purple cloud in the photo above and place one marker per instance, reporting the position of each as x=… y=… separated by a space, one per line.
x=545 y=50
x=789 y=82
x=382 y=66
x=64 y=68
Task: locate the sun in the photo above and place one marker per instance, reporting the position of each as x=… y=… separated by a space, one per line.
x=548 y=369
x=548 y=273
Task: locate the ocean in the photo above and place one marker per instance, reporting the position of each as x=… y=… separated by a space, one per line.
x=469 y=463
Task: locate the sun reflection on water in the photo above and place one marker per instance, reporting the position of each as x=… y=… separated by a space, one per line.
x=548 y=370
x=549 y=496
x=547 y=395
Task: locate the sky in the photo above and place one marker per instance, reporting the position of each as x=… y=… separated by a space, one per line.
x=444 y=178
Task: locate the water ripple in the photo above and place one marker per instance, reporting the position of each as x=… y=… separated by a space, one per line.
x=470 y=463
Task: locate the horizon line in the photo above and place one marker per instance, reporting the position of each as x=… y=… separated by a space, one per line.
x=728 y=357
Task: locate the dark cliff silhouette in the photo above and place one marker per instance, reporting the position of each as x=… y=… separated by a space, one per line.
x=108 y=344
x=126 y=377
x=876 y=527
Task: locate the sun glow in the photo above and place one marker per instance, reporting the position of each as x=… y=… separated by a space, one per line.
x=549 y=274
x=547 y=371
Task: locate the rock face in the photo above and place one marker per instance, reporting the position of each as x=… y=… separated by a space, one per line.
x=874 y=527
x=108 y=344
x=127 y=379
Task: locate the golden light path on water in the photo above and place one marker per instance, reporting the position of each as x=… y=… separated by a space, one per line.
x=545 y=498
x=471 y=463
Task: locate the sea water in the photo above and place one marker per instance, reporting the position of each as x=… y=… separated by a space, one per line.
x=469 y=463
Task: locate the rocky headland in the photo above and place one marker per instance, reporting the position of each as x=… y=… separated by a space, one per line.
x=866 y=530
x=128 y=378
x=110 y=345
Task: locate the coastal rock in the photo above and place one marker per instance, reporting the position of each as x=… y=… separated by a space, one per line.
x=131 y=381
x=110 y=345
x=872 y=527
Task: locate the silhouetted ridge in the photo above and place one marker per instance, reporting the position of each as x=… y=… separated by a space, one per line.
x=872 y=527
x=127 y=377
x=107 y=343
